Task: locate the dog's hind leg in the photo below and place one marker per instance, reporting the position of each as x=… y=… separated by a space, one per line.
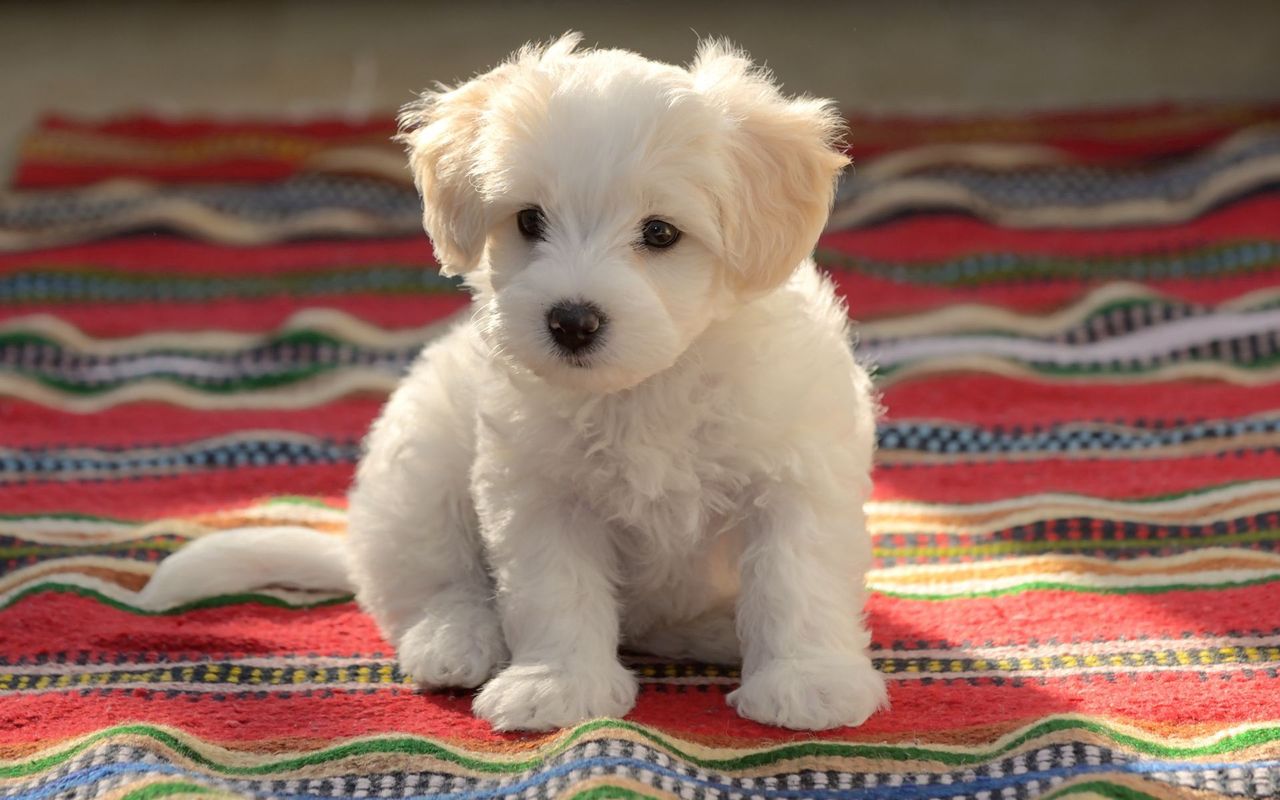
x=416 y=557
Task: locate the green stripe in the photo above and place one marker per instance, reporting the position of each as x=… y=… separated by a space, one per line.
x=611 y=792
x=294 y=336
x=414 y=746
x=994 y=549
x=52 y=284
x=1161 y=497
x=978 y=269
x=62 y=551
x=1089 y=370
x=1115 y=791
x=220 y=601
x=1054 y=586
x=158 y=790
x=283 y=500
x=973 y=269
x=224 y=385
x=169 y=542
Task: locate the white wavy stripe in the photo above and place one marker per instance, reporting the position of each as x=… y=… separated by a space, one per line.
x=1183 y=502
x=66 y=529
x=122 y=595
x=349 y=329
x=56 y=569
x=288 y=513
x=195 y=367
x=192 y=219
x=912 y=193
x=932 y=368
x=313 y=391
x=1013 y=155
x=1070 y=581
x=1057 y=563
x=1073 y=581
x=1141 y=344
x=970 y=317
x=977 y=317
x=328 y=321
x=982 y=155
x=70 y=532
x=388 y=164
x=885 y=517
x=908 y=578
x=888 y=525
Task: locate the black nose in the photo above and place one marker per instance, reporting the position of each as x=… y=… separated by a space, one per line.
x=575 y=326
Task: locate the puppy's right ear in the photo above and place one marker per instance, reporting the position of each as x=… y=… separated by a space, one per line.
x=441 y=130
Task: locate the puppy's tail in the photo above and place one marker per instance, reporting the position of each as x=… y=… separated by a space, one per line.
x=245 y=559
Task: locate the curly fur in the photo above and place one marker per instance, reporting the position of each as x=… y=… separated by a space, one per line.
x=693 y=487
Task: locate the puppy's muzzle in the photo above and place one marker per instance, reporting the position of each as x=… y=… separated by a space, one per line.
x=575 y=327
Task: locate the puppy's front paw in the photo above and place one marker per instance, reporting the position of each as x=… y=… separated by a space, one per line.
x=811 y=693
x=459 y=649
x=539 y=697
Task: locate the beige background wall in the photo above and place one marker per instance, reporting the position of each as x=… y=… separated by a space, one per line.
x=298 y=57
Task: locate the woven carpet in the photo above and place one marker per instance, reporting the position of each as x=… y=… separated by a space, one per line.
x=1076 y=321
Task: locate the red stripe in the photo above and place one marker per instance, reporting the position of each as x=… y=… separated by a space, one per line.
x=962 y=483
x=1168 y=698
x=1045 y=615
x=174 y=255
x=147 y=127
x=144 y=424
x=34 y=174
x=982 y=482
x=965 y=483
x=937 y=237
x=872 y=298
x=992 y=400
x=250 y=629
x=1090 y=136
x=153 y=498
x=262 y=315
x=87 y=626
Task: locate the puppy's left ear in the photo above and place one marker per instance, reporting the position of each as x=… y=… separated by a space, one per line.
x=440 y=130
x=784 y=162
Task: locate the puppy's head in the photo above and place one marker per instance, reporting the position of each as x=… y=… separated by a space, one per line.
x=608 y=208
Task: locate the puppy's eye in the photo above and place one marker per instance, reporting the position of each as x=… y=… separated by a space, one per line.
x=659 y=233
x=532 y=224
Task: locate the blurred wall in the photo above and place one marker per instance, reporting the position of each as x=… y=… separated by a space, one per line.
x=362 y=56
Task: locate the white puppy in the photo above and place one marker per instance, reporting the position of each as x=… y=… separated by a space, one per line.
x=652 y=429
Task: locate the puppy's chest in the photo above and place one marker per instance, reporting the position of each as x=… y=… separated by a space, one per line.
x=659 y=472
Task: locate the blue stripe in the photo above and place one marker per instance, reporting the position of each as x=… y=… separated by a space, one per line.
x=905 y=791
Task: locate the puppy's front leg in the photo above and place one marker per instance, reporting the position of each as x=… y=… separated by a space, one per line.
x=805 y=661
x=554 y=566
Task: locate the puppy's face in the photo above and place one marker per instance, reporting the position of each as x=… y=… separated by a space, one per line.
x=608 y=208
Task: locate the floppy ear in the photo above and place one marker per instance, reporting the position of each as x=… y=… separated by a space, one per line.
x=440 y=130
x=783 y=162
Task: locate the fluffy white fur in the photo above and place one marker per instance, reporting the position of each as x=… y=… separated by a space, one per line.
x=691 y=488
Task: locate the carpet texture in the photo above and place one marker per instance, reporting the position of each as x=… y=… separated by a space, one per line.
x=1076 y=322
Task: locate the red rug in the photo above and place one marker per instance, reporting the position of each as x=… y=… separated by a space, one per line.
x=1076 y=321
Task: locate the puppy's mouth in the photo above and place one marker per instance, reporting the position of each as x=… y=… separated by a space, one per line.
x=578 y=359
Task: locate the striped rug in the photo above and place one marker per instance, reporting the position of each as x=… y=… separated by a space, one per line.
x=1076 y=321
